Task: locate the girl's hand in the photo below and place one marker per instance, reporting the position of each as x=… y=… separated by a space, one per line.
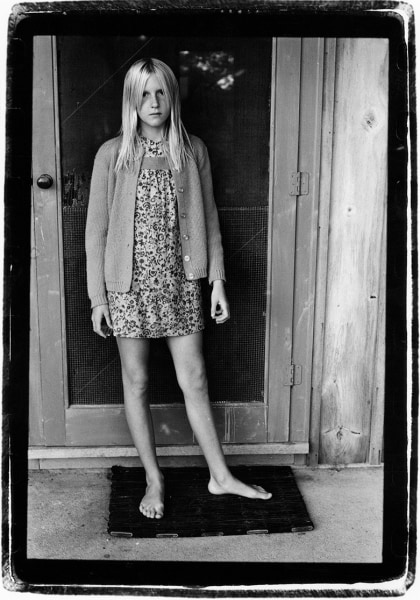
x=219 y=303
x=99 y=313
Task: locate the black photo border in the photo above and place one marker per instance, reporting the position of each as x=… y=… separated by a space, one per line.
x=207 y=18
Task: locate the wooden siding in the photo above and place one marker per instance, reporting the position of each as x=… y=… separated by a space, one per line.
x=352 y=380
x=322 y=253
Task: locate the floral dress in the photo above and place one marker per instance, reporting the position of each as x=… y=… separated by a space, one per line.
x=161 y=302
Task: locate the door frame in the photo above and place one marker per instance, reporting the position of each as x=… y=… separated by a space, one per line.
x=293 y=223
x=64 y=426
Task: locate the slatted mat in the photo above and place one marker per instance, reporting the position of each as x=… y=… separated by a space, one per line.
x=191 y=511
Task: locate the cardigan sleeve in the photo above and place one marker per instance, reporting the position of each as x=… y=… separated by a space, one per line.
x=216 y=268
x=97 y=229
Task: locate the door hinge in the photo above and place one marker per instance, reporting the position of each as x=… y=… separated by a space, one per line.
x=299 y=184
x=293 y=375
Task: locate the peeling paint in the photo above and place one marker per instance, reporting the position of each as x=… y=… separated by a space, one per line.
x=75 y=189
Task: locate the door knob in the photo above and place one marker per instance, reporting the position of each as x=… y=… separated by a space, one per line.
x=44 y=181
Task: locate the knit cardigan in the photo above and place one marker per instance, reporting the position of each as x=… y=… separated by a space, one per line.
x=109 y=236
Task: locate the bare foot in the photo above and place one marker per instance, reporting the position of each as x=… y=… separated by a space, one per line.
x=152 y=504
x=233 y=486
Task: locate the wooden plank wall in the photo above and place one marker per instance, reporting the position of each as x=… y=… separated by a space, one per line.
x=322 y=253
x=353 y=355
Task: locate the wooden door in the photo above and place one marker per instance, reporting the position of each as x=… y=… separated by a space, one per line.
x=295 y=191
x=270 y=242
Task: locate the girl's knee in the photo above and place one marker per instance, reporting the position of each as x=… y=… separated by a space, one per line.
x=134 y=355
x=136 y=381
x=193 y=379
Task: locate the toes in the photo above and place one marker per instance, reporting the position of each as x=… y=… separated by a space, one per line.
x=261 y=490
x=150 y=512
x=146 y=511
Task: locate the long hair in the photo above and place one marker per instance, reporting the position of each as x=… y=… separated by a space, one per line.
x=177 y=145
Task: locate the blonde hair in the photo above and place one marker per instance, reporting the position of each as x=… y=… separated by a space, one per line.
x=177 y=145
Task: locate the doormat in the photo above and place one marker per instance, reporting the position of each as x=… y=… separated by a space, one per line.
x=191 y=511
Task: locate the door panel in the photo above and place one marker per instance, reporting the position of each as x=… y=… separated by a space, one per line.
x=297 y=91
x=213 y=73
x=263 y=226
x=225 y=89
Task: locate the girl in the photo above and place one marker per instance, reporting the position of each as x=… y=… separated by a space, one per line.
x=152 y=232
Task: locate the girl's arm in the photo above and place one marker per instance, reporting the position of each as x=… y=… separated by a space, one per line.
x=219 y=303
x=216 y=268
x=96 y=229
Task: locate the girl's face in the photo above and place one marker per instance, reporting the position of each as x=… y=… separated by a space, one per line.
x=154 y=109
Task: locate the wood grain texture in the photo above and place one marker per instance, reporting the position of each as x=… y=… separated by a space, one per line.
x=322 y=253
x=113 y=452
x=358 y=202
x=378 y=403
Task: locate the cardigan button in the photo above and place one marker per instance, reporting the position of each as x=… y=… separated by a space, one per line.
x=190 y=275
x=183 y=216
x=187 y=258
x=181 y=189
x=186 y=237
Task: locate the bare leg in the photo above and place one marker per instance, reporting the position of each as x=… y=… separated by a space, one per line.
x=191 y=373
x=134 y=354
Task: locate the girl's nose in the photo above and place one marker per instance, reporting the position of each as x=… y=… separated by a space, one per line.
x=155 y=101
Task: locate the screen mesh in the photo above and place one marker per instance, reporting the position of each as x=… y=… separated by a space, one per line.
x=234 y=351
x=225 y=85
